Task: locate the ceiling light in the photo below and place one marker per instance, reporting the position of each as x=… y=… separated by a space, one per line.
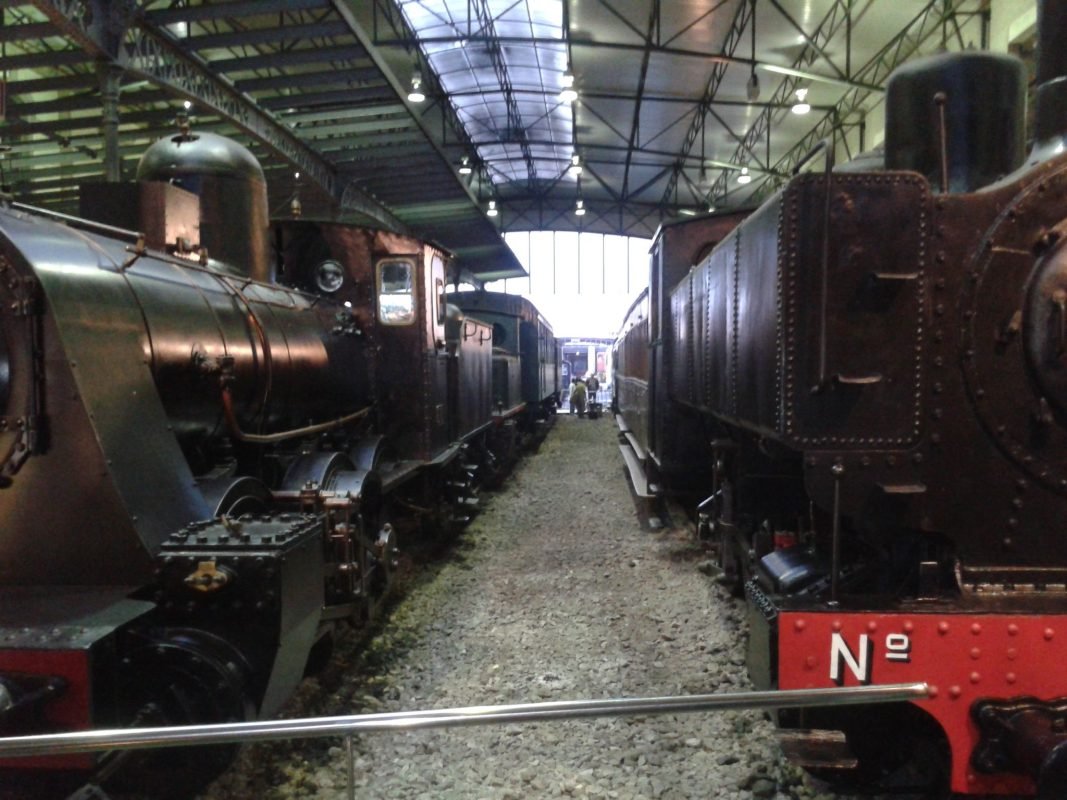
x=187 y=105
x=568 y=79
x=753 y=87
x=416 y=95
x=801 y=106
x=711 y=208
x=744 y=177
x=576 y=165
x=568 y=95
x=465 y=166
x=492 y=210
x=687 y=212
x=579 y=208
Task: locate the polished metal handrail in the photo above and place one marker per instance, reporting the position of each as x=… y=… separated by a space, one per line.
x=346 y=726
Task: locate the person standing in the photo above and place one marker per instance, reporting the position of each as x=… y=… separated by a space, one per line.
x=578 y=395
x=592 y=386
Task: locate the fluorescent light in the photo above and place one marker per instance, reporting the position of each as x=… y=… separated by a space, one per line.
x=492 y=210
x=576 y=165
x=744 y=177
x=812 y=77
x=579 y=208
x=802 y=106
x=465 y=166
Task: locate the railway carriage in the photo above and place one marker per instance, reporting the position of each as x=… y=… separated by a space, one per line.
x=869 y=373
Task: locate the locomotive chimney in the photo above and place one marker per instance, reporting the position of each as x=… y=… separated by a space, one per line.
x=1050 y=113
x=233 y=195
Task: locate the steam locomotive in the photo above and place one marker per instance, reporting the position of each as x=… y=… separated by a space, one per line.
x=214 y=431
x=863 y=389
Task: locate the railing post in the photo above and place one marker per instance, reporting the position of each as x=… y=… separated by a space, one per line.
x=350 y=756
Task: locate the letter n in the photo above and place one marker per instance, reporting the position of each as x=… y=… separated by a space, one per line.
x=841 y=655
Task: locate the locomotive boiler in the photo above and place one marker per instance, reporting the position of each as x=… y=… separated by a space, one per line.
x=870 y=367
x=212 y=431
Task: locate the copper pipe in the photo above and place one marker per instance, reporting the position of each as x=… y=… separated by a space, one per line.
x=281 y=436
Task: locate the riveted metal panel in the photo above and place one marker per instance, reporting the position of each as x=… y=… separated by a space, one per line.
x=853 y=309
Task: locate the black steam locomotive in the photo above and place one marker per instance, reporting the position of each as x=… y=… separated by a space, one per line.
x=213 y=432
x=864 y=385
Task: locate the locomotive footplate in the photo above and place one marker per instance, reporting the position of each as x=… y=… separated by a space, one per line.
x=980 y=659
x=57 y=674
x=257 y=582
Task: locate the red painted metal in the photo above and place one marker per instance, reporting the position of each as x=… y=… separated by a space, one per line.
x=71 y=710
x=962 y=657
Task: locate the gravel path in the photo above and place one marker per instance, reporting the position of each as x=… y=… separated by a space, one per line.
x=554 y=592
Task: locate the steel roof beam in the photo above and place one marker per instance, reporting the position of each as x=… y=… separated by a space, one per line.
x=660 y=49
x=280 y=35
x=288 y=58
x=214 y=11
x=836 y=17
x=743 y=17
x=382 y=112
x=635 y=124
x=347 y=126
x=27 y=31
x=370 y=94
x=50 y=58
x=369 y=21
x=152 y=54
x=300 y=79
x=810 y=40
x=924 y=25
x=500 y=67
x=76 y=102
x=901 y=47
x=83 y=80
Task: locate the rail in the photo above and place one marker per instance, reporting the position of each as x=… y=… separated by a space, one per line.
x=346 y=726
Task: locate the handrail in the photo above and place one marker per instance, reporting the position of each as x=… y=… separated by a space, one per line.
x=182 y=736
x=310 y=727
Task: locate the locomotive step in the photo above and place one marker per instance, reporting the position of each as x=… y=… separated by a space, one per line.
x=817 y=749
x=637 y=473
x=638 y=450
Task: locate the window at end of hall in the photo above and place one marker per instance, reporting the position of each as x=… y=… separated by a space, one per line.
x=396 y=296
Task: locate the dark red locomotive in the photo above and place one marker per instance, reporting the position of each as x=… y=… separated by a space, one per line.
x=874 y=364
x=212 y=434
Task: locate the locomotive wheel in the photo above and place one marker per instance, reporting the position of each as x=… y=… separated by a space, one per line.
x=182 y=677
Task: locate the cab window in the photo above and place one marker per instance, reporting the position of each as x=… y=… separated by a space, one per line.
x=396 y=297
